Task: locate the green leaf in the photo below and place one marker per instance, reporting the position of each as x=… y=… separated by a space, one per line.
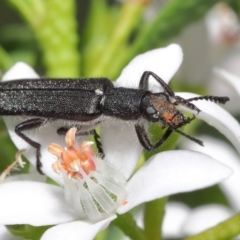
x=28 y=232
x=5 y=60
x=226 y=230
x=7 y=153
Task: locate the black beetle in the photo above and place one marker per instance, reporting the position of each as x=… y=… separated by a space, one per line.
x=87 y=102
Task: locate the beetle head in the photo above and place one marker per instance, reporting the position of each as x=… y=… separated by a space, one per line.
x=157 y=107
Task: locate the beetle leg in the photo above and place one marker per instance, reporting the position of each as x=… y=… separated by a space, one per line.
x=27 y=125
x=145 y=80
x=198 y=141
x=98 y=142
x=97 y=139
x=144 y=138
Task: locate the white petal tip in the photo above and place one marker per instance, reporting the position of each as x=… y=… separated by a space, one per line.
x=162 y=61
x=175 y=47
x=18 y=71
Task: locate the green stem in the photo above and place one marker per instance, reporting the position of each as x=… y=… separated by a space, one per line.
x=95 y=36
x=98 y=16
x=102 y=235
x=225 y=230
x=5 y=60
x=153 y=218
x=238 y=7
x=128 y=225
x=129 y=18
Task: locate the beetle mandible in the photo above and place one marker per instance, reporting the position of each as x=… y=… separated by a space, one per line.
x=87 y=102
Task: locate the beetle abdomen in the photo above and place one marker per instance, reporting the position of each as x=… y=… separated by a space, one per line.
x=73 y=99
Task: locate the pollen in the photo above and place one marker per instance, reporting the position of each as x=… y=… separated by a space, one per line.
x=93 y=187
x=125 y=203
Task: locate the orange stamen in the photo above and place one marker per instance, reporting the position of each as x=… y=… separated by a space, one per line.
x=72 y=158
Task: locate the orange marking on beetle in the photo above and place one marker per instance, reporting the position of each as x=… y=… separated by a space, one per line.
x=168 y=116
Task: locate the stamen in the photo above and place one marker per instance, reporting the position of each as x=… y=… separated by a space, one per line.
x=70 y=137
x=55 y=149
x=93 y=187
x=57 y=166
x=18 y=160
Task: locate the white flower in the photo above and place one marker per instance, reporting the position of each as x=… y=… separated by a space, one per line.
x=227 y=155
x=206 y=216
x=222 y=25
x=181 y=221
x=37 y=203
x=193 y=221
x=229 y=78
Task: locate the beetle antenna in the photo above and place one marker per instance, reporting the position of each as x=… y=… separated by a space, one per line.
x=186 y=103
x=221 y=100
x=190 y=137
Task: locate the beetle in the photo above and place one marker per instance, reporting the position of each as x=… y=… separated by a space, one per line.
x=84 y=103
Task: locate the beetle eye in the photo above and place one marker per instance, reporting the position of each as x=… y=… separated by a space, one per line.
x=150 y=110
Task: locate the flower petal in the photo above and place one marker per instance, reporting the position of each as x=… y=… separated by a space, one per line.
x=121 y=146
x=173 y=172
x=76 y=230
x=229 y=78
x=223 y=153
x=204 y=217
x=34 y=176
x=33 y=203
x=175 y=216
x=19 y=71
x=217 y=117
x=163 y=61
